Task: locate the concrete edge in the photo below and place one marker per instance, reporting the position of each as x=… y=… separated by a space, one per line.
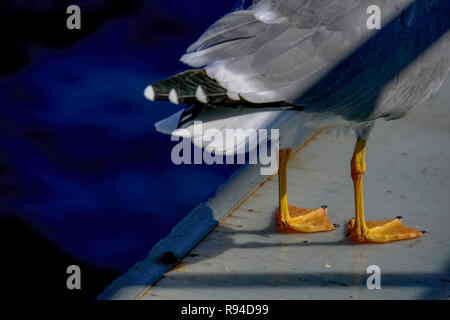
x=191 y=230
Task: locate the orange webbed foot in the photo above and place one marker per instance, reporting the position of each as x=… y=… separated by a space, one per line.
x=304 y=220
x=381 y=231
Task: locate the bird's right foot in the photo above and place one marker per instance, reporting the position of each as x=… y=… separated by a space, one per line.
x=381 y=231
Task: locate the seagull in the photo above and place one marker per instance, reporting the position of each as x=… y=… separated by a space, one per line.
x=291 y=64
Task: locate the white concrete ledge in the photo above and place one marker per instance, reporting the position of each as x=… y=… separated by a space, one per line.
x=189 y=231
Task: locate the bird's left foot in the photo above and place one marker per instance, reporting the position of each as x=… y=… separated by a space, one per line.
x=381 y=231
x=304 y=220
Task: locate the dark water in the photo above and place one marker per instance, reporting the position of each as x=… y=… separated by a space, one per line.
x=84 y=177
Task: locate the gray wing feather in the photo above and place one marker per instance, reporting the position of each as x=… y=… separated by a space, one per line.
x=277 y=49
x=271 y=60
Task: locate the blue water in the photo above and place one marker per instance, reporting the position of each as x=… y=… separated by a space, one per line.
x=86 y=167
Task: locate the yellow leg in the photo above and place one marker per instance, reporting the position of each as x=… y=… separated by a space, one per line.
x=294 y=219
x=361 y=231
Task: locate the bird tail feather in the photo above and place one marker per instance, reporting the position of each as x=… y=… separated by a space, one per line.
x=211 y=105
x=188 y=87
